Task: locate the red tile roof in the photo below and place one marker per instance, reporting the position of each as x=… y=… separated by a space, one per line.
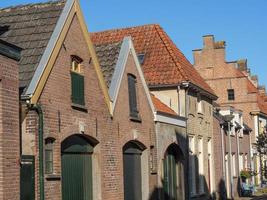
x=262 y=104
x=251 y=87
x=161 y=107
x=164 y=63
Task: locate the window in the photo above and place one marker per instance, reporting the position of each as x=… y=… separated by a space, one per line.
x=199 y=105
x=246 y=161
x=241 y=162
x=231 y=94
x=200 y=165
x=77 y=82
x=49 y=155
x=233 y=165
x=132 y=96
x=192 y=163
x=141 y=58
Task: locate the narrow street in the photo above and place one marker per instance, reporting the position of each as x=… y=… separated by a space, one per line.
x=262 y=197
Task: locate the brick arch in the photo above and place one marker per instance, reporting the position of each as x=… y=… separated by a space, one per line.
x=91 y=140
x=177 y=149
x=136 y=143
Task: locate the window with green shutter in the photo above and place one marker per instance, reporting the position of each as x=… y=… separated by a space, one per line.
x=77 y=84
x=132 y=96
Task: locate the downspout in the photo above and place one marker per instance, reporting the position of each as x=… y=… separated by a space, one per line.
x=238 y=159
x=230 y=159
x=223 y=151
x=188 y=192
x=39 y=111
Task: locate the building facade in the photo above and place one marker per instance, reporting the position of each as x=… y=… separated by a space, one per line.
x=235 y=87
x=174 y=81
x=9 y=121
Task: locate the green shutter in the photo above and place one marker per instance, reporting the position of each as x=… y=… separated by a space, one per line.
x=132 y=95
x=77 y=87
x=27 y=182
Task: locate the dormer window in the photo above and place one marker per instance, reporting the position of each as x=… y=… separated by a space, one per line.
x=231 y=94
x=141 y=58
x=77 y=81
x=132 y=96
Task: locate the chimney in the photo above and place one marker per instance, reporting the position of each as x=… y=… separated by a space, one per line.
x=262 y=90
x=219 y=45
x=254 y=80
x=242 y=65
x=208 y=41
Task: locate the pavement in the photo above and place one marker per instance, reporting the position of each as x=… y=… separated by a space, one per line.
x=261 y=197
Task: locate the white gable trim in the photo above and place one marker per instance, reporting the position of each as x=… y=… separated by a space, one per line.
x=49 y=49
x=170 y=120
x=126 y=48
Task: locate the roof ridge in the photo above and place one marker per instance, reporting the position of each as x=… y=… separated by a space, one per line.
x=25 y=6
x=125 y=28
x=162 y=34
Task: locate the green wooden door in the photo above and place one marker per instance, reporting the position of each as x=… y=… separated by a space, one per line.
x=170 y=177
x=132 y=173
x=76 y=166
x=27 y=178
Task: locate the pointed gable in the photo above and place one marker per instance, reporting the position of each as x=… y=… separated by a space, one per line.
x=30 y=27
x=113 y=59
x=163 y=62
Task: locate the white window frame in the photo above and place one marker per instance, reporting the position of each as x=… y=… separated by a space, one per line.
x=192 y=155
x=199 y=105
x=234 y=164
x=201 y=165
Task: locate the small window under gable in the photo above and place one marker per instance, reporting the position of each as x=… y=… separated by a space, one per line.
x=132 y=96
x=76 y=63
x=77 y=81
x=231 y=94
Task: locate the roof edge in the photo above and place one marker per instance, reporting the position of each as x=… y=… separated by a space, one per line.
x=170 y=119
x=49 y=48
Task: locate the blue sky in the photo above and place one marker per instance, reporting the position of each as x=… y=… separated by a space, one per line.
x=241 y=23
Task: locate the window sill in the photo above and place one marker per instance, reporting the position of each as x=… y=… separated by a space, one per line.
x=79 y=107
x=136 y=119
x=52 y=177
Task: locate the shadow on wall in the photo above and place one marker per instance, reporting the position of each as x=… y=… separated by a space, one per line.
x=222 y=190
x=202 y=189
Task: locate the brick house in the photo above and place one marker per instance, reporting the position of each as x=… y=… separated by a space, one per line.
x=167 y=148
x=235 y=87
x=87 y=124
x=9 y=121
x=231 y=143
x=173 y=80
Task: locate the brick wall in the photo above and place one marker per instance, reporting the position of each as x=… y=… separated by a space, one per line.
x=9 y=129
x=62 y=120
x=220 y=184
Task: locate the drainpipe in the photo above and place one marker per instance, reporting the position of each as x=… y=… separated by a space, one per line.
x=223 y=151
x=228 y=119
x=230 y=159
x=39 y=111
